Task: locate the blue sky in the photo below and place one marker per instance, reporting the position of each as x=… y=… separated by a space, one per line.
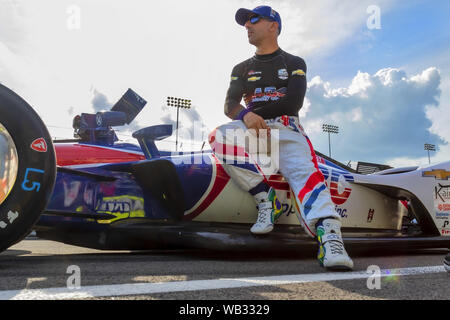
x=414 y=36
x=411 y=32
x=387 y=89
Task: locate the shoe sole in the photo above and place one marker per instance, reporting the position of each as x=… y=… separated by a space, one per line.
x=447 y=266
x=339 y=268
x=261 y=232
x=265 y=232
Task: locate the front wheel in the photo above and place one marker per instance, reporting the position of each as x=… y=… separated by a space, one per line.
x=27 y=167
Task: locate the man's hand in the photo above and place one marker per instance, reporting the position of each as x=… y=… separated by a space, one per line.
x=256 y=122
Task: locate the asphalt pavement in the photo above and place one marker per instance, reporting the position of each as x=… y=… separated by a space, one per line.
x=40 y=269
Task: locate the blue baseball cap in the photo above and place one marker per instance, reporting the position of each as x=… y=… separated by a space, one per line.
x=263 y=11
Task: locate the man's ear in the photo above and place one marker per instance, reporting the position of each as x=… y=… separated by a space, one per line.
x=275 y=26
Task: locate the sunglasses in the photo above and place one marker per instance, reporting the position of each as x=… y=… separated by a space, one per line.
x=256 y=19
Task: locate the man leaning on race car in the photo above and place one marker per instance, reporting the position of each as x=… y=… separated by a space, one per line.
x=273 y=85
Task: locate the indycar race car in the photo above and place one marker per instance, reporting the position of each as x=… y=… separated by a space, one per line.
x=97 y=192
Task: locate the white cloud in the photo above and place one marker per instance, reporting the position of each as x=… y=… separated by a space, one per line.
x=385 y=117
x=317 y=27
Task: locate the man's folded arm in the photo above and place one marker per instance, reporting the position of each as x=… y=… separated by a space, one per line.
x=233 y=108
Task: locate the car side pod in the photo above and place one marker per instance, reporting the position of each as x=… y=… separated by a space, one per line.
x=27 y=167
x=159 y=179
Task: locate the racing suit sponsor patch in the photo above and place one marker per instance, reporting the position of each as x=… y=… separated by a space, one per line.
x=252 y=72
x=269 y=94
x=298 y=72
x=253 y=79
x=283 y=74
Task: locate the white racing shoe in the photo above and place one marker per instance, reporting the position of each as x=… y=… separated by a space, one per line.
x=269 y=210
x=447 y=263
x=332 y=254
x=264 y=223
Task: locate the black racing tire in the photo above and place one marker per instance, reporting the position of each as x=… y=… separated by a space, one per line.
x=36 y=169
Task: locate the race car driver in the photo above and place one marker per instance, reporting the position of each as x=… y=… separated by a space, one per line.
x=273 y=85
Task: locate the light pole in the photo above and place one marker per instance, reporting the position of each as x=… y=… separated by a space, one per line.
x=429 y=147
x=178 y=103
x=330 y=129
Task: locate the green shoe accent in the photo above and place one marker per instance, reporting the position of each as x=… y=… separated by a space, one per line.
x=320 y=231
x=321 y=253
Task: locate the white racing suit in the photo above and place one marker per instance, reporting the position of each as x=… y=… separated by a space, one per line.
x=289 y=152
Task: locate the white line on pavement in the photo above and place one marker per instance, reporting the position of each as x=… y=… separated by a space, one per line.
x=193 y=285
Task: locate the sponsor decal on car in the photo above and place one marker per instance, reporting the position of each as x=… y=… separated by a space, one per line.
x=320 y=159
x=442 y=193
x=337 y=196
x=442 y=215
x=122 y=207
x=233 y=78
x=342 y=212
x=29 y=183
x=442 y=201
x=39 y=145
x=71 y=191
x=288 y=209
x=370 y=215
x=338 y=181
x=438 y=174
